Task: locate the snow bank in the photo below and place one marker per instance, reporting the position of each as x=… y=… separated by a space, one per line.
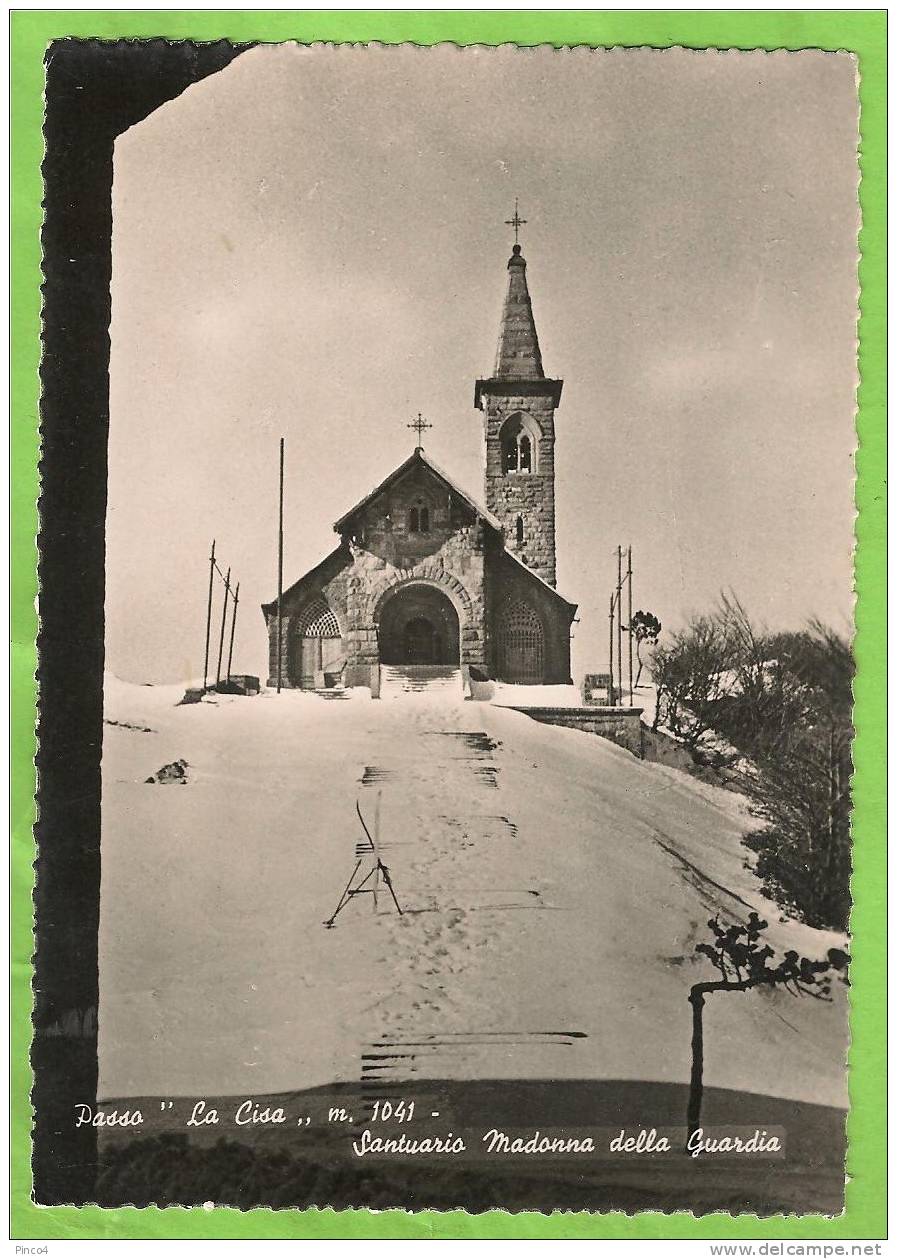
x=509 y=695
x=550 y=880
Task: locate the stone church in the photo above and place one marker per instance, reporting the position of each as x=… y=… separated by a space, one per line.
x=427 y=578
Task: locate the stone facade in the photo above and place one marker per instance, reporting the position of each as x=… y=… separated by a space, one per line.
x=423 y=575
x=461 y=556
x=511 y=583
x=379 y=557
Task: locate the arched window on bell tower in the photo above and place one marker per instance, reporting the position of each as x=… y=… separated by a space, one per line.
x=519 y=444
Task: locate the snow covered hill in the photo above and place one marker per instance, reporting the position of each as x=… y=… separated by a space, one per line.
x=549 y=880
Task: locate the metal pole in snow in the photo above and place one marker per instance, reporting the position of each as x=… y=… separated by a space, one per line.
x=620 y=623
x=223 y=621
x=610 y=657
x=629 y=621
x=233 y=626
x=205 y=668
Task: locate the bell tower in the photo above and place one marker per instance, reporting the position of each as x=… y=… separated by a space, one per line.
x=518 y=404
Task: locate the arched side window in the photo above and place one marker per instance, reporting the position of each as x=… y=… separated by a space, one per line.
x=520 y=534
x=521 y=645
x=318 y=621
x=519 y=444
x=413 y=521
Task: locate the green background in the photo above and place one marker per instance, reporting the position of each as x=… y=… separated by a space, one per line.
x=863 y=33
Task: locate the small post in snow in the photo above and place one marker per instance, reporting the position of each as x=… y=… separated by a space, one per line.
x=376 y=847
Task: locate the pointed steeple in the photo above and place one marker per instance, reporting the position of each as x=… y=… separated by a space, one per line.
x=518 y=403
x=518 y=356
x=518 y=360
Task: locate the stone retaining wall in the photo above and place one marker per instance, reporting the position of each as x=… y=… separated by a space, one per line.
x=622 y=726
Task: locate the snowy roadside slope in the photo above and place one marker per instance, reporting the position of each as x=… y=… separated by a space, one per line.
x=645 y=854
x=551 y=882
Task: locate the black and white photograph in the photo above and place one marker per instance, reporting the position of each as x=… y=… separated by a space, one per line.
x=478 y=618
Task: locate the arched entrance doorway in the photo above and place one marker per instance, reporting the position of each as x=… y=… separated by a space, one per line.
x=318 y=647
x=419 y=625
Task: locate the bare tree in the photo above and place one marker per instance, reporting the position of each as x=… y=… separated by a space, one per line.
x=692 y=674
x=781 y=705
x=743 y=963
x=802 y=788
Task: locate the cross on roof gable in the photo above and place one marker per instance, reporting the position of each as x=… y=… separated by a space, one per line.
x=422 y=460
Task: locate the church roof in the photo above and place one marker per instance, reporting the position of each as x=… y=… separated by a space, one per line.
x=418 y=458
x=515 y=559
x=322 y=571
x=340 y=555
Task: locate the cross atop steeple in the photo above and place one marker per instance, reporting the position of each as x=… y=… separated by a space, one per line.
x=516 y=222
x=419 y=425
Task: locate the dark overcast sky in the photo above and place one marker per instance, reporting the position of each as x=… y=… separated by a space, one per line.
x=311 y=243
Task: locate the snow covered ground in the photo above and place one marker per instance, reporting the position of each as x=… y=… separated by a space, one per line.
x=550 y=881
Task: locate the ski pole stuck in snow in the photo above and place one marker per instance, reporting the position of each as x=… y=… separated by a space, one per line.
x=377 y=870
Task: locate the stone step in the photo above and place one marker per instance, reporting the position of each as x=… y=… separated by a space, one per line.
x=431 y=680
x=420 y=670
